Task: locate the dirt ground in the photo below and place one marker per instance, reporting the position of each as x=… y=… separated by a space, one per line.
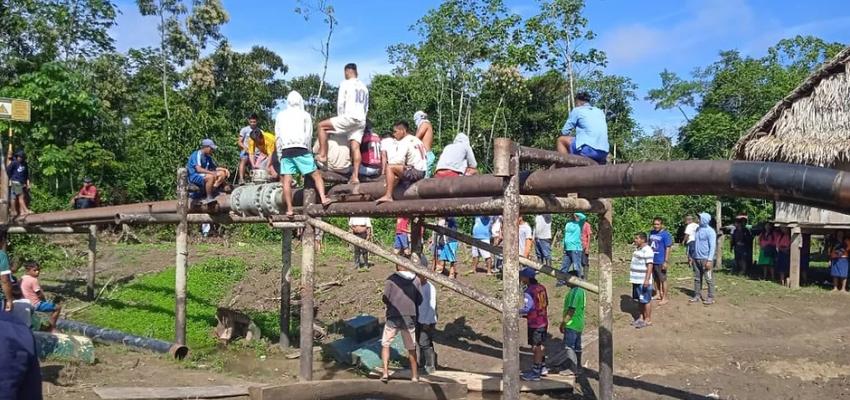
x=759 y=341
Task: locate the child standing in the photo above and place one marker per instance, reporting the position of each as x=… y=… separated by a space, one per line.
x=401 y=245
x=448 y=248
x=362 y=228
x=32 y=292
x=573 y=252
x=534 y=311
x=572 y=324
x=640 y=277
x=838 y=266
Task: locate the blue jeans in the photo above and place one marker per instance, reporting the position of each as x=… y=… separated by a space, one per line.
x=543 y=250
x=572 y=344
x=572 y=262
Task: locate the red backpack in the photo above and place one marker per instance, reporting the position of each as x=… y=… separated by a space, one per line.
x=370 y=150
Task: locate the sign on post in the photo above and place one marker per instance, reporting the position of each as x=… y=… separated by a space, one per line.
x=15 y=109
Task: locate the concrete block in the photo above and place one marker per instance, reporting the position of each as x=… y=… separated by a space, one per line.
x=362 y=328
x=368 y=354
x=340 y=350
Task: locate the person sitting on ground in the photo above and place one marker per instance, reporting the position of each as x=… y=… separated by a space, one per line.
x=204 y=173
x=640 y=276
x=362 y=228
x=293 y=129
x=402 y=299
x=261 y=150
x=705 y=247
x=534 y=310
x=481 y=232
x=661 y=242
x=448 y=248
x=839 y=265
x=572 y=325
x=457 y=159
x=19 y=182
x=573 y=252
x=408 y=163
x=543 y=238
x=32 y=292
x=86 y=197
x=591 y=131
x=425 y=133
x=371 y=164
x=339 y=156
x=426 y=324
x=352 y=106
x=242 y=141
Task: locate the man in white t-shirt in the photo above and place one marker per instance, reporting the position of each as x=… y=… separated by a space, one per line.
x=640 y=276
x=690 y=236
x=404 y=163
x=351 y=106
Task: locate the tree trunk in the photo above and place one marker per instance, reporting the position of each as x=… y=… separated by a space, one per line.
x=164 y=60
x=493 y=125
x=326 y=52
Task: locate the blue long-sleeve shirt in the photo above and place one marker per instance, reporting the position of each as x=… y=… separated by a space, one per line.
x=590 y=126
x=705 y=245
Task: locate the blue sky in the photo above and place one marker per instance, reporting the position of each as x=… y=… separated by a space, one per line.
x=641 y=38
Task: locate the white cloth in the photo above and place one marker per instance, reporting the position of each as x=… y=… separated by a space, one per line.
x=525 y=234
x=352 y=127
x=293 y=127
x=477 y=252
x=414 y=152
x=496 y=227
x=353 y=99
x=428 y=308
x=690 y=231
x=543 y=226
x=360 y=221
x=637 y=270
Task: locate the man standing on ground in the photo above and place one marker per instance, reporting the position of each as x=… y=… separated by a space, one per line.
x=352 y=105
x=591 y=131
x=640 y=276
x=203 y=171
x=293 y=132
x=586 y=235
x=534 y=310
x=425 y=133
x=742 y=245
x=408 y=163
x=543 y=238
x=689 y=239
x=19 y=181
x=481 y=231
x=572 y=324
x=426 y=324
x=457 y=159
x=526 y=238
x=402 y=299
x=243 y=145
x=705 y=246
x=362 y=228
x=661 y=242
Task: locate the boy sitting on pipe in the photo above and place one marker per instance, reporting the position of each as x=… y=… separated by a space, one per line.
x=406 y=162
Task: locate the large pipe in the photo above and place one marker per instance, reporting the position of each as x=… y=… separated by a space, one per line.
x=549 y=157
x=105 y=335
x=224 y=219
x=46 y=229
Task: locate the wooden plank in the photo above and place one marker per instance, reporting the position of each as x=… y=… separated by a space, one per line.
x=156 y=393
x=360 y=388
x=487 y=381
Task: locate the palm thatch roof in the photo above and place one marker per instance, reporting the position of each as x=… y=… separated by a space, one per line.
x=809 y=126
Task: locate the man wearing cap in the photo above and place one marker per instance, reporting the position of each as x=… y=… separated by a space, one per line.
x=425 y=133
x=86 y=197
x=591 y=131
x=535 y=303
x=19 y=181
x=352 y=105
x=203 y=171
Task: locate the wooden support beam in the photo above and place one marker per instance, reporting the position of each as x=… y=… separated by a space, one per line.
x=606 y=305
x=92 y=262
x=308 y=254
x=496 y=250
x=182 y=259
x=796 y=244
x=382 y=252
x=512 y=294
x=285 y=285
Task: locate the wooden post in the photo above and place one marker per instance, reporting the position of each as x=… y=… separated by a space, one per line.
x=308 y=246
x=606 y=296
x=92 y=253
x=285 y=285
x=796 y=244
x=182 y=257
x=512 y=297
x=718 y=221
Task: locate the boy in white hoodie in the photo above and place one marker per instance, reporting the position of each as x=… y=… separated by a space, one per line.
x=293 y=133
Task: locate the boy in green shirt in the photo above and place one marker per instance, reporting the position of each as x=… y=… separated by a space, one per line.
x=572 y=324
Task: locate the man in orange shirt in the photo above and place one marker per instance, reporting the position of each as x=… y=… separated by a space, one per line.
x=86 y=197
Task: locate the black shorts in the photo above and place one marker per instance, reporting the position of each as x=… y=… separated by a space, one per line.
x=411 y=175
x=657 y=274
x=537 y=336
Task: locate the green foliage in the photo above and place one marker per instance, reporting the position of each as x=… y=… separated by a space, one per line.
x=145 y=306
x=36 y=248
x=634 y=215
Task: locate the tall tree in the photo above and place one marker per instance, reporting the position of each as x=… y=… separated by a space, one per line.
x=307 y=8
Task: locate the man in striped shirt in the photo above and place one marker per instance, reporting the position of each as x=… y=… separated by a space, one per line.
x=640 y=276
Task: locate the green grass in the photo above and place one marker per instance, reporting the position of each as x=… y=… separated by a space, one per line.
x=145 y=306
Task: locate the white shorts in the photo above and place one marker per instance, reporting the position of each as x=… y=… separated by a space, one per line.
x=347 y=125
x=476 y=252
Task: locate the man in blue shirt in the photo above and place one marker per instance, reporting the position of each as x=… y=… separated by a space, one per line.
x=481 y=231
x=203 y=171
x=705 y=246
x=19 y=182
x=591 y=137
x=661 y=242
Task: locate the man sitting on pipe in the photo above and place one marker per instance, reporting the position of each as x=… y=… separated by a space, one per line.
x=86 y=197
x=591 y=131
x=204 y=172
x=406 y=162
x=457 y=159
x=261 y=152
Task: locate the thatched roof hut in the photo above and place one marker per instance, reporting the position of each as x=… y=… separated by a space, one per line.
x=809 y=126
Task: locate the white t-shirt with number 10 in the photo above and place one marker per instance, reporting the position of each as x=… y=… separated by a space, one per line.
x=353 y=99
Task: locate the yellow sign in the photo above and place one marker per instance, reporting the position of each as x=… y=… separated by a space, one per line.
x=15 y=109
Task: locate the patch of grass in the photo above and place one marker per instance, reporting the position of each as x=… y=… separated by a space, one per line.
x=145 y=307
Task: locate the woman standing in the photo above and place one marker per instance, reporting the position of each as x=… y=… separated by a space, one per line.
x=783 y=255
x=838 y=265
x=767 y=250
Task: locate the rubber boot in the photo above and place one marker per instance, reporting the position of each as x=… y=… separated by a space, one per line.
x=577 y=368
x=430 y=361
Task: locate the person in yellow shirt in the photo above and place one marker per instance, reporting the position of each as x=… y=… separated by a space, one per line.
x=262 y=152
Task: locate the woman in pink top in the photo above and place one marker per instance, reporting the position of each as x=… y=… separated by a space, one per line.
x=767 y=250
x=783 y=255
